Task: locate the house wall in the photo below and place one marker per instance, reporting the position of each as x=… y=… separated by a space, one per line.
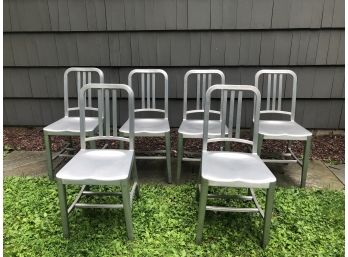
x=44 y=37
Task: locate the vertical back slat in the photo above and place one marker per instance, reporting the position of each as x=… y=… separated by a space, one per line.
x=78 y=83
x=107 y=113
x=143 y=91
x=223 y=113
x=204 y=90
x=230 y=119
x=148 y=85
x=89 y=90
x=209 y=81
x=198 y=91
x=280 y=92
x=274 y=91
x=114 y=113
x=84 y=83
x=153 y=91
x=269 y=91
x=239 y=113
x=100 y=110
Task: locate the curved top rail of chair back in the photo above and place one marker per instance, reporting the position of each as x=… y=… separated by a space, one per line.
x=232 y=89
x=148 y=90
x=107 y=127
x=201 y=87
x=275 y=91
x=86 y=78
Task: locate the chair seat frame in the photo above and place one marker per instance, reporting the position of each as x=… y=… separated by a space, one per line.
x=275 y=85
x=148 y=104
x=205 y=184
x=104 y=123
x=201 y=87
x=67 y=151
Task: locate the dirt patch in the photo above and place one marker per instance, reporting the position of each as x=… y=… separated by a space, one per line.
x=328 y=147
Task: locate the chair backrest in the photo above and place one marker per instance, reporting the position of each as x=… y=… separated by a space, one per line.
x=201 y=87
x=233 y=119
x=107 y=127
x=83 y=76
x=275 y=91
x=148 y=89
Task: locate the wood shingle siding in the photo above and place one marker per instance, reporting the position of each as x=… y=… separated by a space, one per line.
x=208 y=48
x=130 y=15
x=44 y=37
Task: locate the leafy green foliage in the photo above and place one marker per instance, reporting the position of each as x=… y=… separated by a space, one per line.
x=7 y=150
x=305 y=223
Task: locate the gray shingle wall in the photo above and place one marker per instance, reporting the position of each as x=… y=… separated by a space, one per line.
x=119 y=15
x=44 y=37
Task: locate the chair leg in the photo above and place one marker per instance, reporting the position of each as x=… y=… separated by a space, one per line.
x=92 y=145
x=48 y=156
x=268 y=214
x=180 y=155
x=63 y=208
x=227 y=146
x=71 y=145
x=168 y=153
x=135 y=178
x=121 y=142
x=259 y=144
x=201 y=210
x=307 y=152
x=127 y=208
x=289 y=144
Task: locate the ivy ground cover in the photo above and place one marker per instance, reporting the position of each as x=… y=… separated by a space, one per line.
x=306 y=222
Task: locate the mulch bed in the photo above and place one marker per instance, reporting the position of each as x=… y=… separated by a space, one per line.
x=328 y=147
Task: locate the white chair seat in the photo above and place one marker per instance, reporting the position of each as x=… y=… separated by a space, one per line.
x=71 y=125
x=147 y=127
x=235 y=170
x=97 y=166
x=194 y=128
x=283 y=130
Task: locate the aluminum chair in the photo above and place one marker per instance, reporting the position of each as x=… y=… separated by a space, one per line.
x=101 y=166
x=193 y=128
x=234 y=169
x=151 y=127
x=283 y=129
x=70 y=125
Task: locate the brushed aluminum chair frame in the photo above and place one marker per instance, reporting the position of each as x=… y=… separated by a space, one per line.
x=233 y=169
x=151 y=127
x=70 y=125
x=193 y=128
x=101 y=166
x=279 y=129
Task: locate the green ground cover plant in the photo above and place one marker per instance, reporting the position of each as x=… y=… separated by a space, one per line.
x=6 y=150
x=306 y=222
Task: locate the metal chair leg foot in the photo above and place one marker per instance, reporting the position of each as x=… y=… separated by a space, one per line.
x=135 y=178
x=268 y=215
x=180 y=155
x=48 y=156
x=168 y=154
x=127 y=208
x=307 y=152
x=63 y=208
x=201 y=210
